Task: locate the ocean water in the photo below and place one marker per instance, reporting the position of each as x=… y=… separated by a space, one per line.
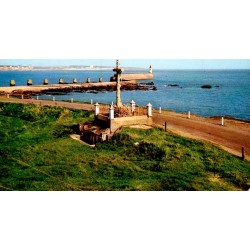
x=231 y=97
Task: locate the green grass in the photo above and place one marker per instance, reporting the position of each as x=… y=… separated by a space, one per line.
x=38 y=154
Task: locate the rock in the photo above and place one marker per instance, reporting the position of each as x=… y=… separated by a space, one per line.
x=147 y=83
x=93 y=91
x=207 y=86
x=173 y=85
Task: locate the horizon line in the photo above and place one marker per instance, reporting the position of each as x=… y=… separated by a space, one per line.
x=132 y=67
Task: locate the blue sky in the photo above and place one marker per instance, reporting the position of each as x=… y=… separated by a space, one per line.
x=144 y=63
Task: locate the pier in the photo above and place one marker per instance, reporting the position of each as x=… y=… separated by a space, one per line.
x=80 y=87
x=125 y=82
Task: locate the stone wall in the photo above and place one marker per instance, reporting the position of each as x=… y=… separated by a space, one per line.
x=142 y=76
x=102 y=121
x=132 y=120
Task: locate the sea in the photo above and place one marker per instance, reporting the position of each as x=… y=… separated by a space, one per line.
x=177 y=90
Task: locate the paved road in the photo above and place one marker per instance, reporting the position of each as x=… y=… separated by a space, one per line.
x=231 y=137
x=89 y=107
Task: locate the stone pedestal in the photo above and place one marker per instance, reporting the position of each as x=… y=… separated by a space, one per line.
x=45 y=81
x=12 y=83
x=29 y=82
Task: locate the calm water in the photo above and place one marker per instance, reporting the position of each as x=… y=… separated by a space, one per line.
x=231 y=98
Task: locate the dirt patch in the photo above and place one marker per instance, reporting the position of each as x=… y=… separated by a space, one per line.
x=140 y=126
x=77 y=138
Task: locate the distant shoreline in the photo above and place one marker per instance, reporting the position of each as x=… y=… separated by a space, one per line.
x=7 y=68
x=2 y=69
x=53 y=69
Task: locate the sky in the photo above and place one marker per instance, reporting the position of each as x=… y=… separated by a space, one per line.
x=142 y=63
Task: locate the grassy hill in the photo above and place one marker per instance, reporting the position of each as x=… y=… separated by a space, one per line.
x=38 y=154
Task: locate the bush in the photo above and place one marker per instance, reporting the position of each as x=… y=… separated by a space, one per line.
x=62 y=131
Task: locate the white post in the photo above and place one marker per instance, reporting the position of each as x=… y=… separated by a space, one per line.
x=222 y=121
x=111 y=112
x=53 y=98
x=72 y=100
x=97 y=108
x=159 y=110
x=8 y=96
x=91 y=101
x=22 y=96
x=132 y=105
x=189 y=114
x=37 y=97
x=149 y=109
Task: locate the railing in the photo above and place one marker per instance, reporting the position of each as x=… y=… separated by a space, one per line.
x=123 y=112
x=104 y=109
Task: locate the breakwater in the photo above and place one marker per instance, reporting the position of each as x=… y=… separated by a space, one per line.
x=28 y=91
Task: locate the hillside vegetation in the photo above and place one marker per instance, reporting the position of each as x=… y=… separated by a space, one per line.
x=38 y=154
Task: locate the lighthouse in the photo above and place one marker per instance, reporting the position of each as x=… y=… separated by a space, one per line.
x=150 y=70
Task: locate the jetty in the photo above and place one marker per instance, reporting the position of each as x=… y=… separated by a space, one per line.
x=127 y=82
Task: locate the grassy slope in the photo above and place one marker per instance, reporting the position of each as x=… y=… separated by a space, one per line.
x=37 y=154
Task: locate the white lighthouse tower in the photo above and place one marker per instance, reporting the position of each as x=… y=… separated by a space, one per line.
x=150 y=70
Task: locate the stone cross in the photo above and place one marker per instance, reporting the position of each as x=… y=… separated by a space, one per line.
x=118 y=71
